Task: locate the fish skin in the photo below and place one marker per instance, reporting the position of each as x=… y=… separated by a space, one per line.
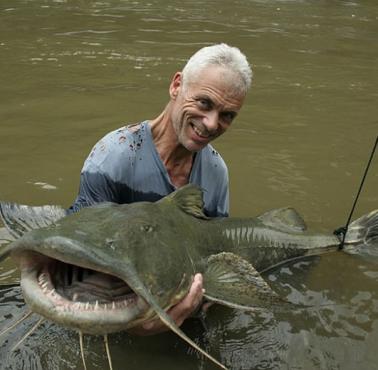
x=163 y=244
x=156 y=248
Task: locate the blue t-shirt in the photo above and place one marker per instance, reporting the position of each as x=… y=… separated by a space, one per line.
x=125 y=167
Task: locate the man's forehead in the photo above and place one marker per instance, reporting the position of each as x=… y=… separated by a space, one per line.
x=219 y=78
x=218 y=85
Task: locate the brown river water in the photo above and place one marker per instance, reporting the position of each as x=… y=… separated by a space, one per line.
x=73 y=70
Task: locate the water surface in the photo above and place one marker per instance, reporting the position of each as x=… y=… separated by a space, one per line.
x=73 y=70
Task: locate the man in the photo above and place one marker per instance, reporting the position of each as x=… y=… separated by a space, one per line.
x=147 y=161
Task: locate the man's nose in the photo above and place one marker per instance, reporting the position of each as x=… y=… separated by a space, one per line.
x=211 y=121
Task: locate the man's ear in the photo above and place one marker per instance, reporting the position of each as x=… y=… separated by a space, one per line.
x=175 y=86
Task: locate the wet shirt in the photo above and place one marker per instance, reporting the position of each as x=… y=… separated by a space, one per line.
x=125 y=167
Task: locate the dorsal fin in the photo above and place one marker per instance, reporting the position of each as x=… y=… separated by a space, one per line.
x=284 y=219
x=188 y=199
x=20 y=219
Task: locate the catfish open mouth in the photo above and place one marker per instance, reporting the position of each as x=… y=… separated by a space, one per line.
x=77 y=284
x=78 y=297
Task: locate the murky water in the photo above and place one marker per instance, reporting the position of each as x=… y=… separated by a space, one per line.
x=73 y=70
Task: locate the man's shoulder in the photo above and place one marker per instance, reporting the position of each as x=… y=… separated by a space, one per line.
x=212 y=175
x=132 y=135
x=212 y=158
x=117 y=146
x=210 y=167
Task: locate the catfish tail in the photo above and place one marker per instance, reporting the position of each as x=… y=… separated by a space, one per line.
x=362 y=235
x=364 y=230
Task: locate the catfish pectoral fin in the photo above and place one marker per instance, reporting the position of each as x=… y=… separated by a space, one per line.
x=232 y=281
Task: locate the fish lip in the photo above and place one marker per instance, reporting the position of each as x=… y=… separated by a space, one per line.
x=40 y=293
x=26 y=251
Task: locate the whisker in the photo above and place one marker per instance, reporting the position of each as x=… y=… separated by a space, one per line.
x=39 y=322
x=82 y=349
x=108 y=351
x=16 y=323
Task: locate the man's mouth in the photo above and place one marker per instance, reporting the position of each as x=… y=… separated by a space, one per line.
x=203 y=134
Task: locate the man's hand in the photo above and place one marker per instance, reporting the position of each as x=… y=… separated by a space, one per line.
x=178 y=313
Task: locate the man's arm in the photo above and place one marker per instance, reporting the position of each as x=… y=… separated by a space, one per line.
x=95 y=187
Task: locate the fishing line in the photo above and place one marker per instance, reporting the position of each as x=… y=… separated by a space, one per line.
x=343 y=230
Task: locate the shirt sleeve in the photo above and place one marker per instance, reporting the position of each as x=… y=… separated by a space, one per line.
x=211 y=174
x=95 y=187
x=96 y=179
x=223 y=206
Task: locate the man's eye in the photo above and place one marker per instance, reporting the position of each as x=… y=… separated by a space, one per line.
x=228 y=116
x=204 y=103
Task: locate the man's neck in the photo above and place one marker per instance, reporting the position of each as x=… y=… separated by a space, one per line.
x=176 y=158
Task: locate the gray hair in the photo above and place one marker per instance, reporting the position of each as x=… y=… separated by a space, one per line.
x=222 y=55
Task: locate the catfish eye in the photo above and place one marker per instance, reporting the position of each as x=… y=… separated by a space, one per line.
x=146 y=228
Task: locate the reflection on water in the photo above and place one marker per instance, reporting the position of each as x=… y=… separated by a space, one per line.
x=74 y=70
x=338 y=331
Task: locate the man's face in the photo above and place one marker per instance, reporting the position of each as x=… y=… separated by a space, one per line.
x=205 y=108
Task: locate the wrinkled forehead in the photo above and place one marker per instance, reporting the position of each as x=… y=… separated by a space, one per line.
x=218 y=77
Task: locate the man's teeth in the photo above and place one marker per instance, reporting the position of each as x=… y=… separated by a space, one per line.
x=199 y=133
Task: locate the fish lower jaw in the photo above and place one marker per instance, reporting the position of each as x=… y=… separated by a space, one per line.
x=95 y=316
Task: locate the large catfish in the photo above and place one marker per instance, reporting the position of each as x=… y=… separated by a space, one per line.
x=111 y=267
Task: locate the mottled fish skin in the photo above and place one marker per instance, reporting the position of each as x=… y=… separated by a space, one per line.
x=264 y=246
x=111 y=267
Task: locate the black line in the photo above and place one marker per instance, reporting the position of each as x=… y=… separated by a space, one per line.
x=358 y=193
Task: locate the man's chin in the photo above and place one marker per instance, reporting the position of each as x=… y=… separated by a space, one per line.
x=193 y=146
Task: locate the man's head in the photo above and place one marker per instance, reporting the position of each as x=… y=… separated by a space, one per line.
x=207 y=95
x=229 y=58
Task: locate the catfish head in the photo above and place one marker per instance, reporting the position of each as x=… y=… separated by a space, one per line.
x=108 y=267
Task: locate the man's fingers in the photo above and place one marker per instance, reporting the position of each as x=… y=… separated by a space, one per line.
x=189 y=304
x=194 y=297
x=178 y=313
